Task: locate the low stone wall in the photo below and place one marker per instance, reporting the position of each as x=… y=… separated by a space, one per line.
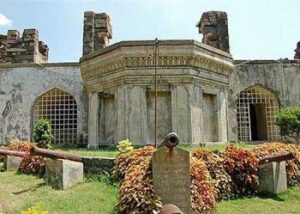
x=95 y=165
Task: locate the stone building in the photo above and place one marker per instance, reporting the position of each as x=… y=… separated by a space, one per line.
x=202 y=93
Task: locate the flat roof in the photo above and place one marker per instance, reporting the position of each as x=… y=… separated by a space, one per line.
x=152 y=43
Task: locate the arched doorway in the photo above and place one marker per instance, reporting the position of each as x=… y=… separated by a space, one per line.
x=257 y=108
x=60 y=108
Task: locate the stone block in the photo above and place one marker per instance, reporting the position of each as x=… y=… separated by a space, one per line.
x=171 y=177
x=12 y=163
x=63 y=174
x=92 y=165
x=272 y=177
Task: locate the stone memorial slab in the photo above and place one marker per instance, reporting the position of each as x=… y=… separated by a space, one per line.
x=272 y=177
x=12 y=163
x=171 y=177
x=63 y=174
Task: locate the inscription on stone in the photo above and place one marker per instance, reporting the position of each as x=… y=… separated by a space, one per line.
x=171 y=177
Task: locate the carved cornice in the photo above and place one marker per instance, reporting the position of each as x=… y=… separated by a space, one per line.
x=94 y=69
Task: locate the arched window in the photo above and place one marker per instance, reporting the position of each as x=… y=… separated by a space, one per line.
x=257 y=108
x=61 y=109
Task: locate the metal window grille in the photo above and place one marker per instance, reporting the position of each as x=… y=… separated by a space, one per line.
x=257 y=95
x=60 y=108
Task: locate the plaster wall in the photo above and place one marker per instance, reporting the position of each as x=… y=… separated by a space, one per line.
x=22 y=84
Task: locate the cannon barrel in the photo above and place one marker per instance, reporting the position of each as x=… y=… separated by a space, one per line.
x=276 y=158
x=170 y=141
x=12 y=153
x=55 y=154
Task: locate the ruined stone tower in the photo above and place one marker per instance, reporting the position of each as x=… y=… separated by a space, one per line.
x=25 y=49
x=97 y=31
x=297 y=51
x=214 y=27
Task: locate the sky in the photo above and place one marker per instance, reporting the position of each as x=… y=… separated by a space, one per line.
x=258 y=29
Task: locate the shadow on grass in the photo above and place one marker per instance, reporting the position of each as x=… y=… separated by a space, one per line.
x=270 y=196
x=263 y=196
x=31 y=189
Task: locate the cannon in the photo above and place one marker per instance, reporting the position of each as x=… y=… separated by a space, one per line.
x=170 y=141
x=55 y=155
x=5 y=152
x=276 y=158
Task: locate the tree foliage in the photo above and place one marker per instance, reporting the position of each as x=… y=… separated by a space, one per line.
x=288 y=119
x=42 y=133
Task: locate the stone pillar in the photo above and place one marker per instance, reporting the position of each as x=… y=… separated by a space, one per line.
x=93 y=120
x=214 y=27
x=196 y=114
x=222 y=117
x=181 y=113
x=12 y=163
x=63 y=174
x=131 y=114
x=272 y=177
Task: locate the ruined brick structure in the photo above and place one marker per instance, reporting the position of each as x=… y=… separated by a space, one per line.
x=203 y=94
x=22 y=49
x=297 y=51
x=214 y=27
x=97 y=31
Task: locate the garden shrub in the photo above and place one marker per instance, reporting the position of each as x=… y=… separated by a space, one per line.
x=42 y=133
x=137 y=195
x=242 y=167
x=136 y=190
x=288 y=120
x=292 y=166
x=202 y=192
x=30 y=164
x=222 y=182
x=125 y=146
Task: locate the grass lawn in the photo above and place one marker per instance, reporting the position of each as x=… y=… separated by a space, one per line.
x=287 y=203
x=18 y=192
x=112 y=152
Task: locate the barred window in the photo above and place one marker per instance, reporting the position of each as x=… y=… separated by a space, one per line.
x=257 y=108
x=60 y=108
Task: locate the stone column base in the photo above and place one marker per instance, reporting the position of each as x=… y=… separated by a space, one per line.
x=12 y=163
x=63 y=174
x=272 y=177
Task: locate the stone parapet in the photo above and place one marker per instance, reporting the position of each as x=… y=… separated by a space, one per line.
x=22 y=49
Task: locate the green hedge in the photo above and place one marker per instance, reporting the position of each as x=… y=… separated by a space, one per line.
x=288 y=119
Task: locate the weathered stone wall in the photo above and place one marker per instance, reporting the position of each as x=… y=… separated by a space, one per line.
x=280 y=77
x=22 y=49
x=22 y=84
x=125 y=71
